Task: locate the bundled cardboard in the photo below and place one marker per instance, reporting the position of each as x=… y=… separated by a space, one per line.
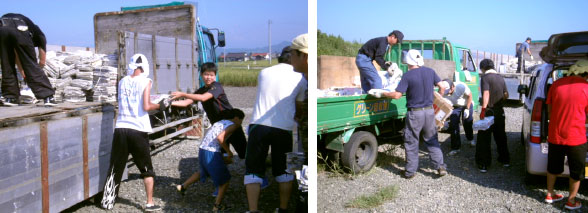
x=442 y=108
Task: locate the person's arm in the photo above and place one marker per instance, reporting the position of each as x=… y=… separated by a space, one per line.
x=182 y=103
x=529 y=50
x=469 y=101
x=380 y=53
x=194 y=97
x=224 y=135
x=485 y=98
x=393 y=95
x=441 y=88
x=147 y=105
x=42 y=56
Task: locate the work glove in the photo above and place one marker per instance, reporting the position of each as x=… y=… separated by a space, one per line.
x=482 y=113
x=376 y=92
x=531 y=58
x=466 y=113
x=164 y=104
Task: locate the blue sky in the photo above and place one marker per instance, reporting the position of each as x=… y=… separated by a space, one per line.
x=70 y=22
x=493 y=26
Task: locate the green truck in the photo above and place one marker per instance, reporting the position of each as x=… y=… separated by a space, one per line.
x=350 y=128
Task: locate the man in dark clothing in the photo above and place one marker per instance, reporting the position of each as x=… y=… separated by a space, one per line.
x=375 y=49
x=18 y=38
x=524 y=48
x=494 y=93
x=418 y=84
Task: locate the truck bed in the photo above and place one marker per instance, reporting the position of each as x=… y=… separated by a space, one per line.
x=345 y=112
x=53 y=157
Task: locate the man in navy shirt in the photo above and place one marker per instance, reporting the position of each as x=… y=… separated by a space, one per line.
x=375 y=49
x=418 y=83
x=522 y=49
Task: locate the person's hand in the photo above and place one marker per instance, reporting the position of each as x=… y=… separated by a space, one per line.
x=482 y=113
x=376 y=93
x=176 y=95
x=466 y=113
x=228 y=159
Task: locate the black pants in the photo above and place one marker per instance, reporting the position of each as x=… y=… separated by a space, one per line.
x=11 y=41
x=239 y=142
x=126 y=141
x=483 y=152
x=521 y=62
x=260 y=139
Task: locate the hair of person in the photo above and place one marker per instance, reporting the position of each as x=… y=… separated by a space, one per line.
x=285 y=55
x=208 y=67
x=232 y=113
x=486 y=64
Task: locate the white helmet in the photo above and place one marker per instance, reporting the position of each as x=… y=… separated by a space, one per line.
x=139 y=60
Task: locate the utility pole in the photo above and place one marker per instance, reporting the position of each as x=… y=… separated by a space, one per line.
x=269 y=30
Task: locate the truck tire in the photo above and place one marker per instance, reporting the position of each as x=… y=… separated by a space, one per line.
x=360 y=152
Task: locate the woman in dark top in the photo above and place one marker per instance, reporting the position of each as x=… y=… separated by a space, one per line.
x=214 y=100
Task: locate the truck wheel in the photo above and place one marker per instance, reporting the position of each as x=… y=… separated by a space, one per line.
x=360 y=152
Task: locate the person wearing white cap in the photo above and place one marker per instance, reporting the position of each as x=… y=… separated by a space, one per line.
x=131 y=132
x=418 y=83
x=567 y=104
x=461 y=98
x=375 y=49
x=279 y=90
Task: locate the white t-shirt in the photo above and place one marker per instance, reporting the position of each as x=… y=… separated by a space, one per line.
x=210 y=140
x=459 y=96
x=131 y=114
x=278 y=89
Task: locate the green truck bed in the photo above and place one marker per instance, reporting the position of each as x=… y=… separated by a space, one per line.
x=345 y=112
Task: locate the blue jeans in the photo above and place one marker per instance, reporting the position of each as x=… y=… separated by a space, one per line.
x=368 y=74
x=421 y=124
x=454 y=118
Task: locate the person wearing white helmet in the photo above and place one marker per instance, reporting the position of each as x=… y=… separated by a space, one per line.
x=131 y=132
x=567 y=105
x=418 y=83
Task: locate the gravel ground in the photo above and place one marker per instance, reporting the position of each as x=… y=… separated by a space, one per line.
x=464 y=189
x=175 y=162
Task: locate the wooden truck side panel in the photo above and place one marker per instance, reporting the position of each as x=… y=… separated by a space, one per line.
x=175 y=21
x=55 y=158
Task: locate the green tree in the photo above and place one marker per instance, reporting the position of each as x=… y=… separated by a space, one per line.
x=335 y=45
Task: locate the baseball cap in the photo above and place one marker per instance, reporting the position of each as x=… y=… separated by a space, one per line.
x=300 y=43
x=414 y=57
x=528 y=39
x=398 y=35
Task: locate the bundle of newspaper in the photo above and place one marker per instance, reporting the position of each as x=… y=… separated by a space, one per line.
x=72 y=73
x=484 y=124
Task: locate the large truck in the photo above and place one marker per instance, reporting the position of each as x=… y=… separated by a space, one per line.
x=514 y=78
x=53 y=158
x=350 y=128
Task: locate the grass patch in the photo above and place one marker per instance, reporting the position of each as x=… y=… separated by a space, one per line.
x=372 y=201
x=242 y=73
x=334 y=168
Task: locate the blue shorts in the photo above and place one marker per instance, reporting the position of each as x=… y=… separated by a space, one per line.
x=212 y=165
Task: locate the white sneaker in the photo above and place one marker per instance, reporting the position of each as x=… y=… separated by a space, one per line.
x=453 y=152
x=473 y=142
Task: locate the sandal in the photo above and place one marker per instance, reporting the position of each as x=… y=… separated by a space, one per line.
x=219 y=208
